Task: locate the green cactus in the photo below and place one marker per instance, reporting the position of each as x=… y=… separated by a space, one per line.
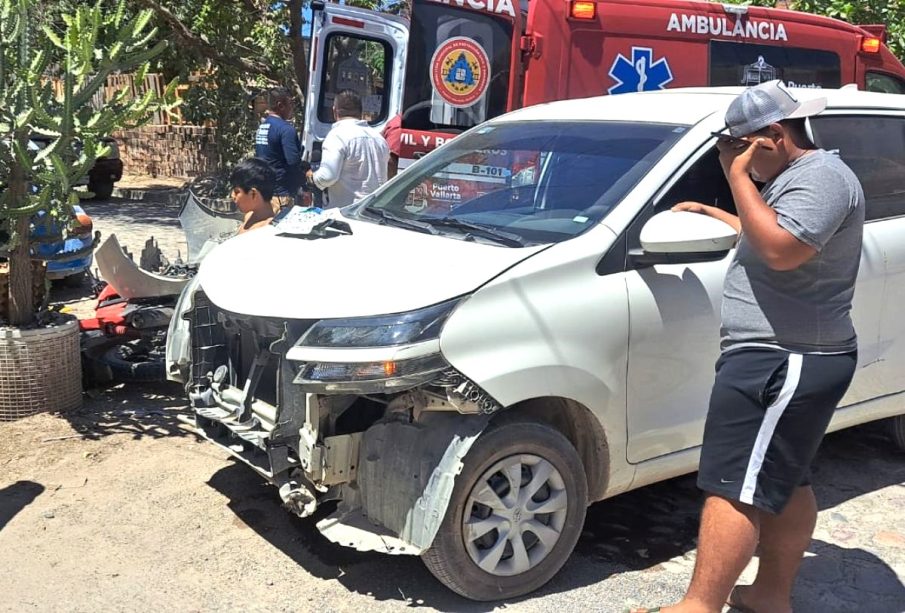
x=32 y=180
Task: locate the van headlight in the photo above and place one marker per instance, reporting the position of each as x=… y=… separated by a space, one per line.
x=372 y=354
x=370 y=377
x=381 y=331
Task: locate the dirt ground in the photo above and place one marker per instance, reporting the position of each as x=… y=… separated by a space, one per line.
x=120 y=507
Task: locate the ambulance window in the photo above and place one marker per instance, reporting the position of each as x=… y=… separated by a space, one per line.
x=887 y=84
x=359 y=64
x=470 y=53
x=873 y=147
x=750 y=64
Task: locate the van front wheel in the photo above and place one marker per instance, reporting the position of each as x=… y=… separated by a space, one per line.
x=516 y=512
x=896 y=427
x=102 y=190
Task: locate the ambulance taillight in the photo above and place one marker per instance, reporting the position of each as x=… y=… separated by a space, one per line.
x=869 y=44
x=582 y=9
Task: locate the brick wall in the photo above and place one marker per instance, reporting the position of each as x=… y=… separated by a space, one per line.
x=179 y=151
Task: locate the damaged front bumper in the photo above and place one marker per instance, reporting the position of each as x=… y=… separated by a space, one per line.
x=388 y=454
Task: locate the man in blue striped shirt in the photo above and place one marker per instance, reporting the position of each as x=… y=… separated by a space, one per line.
x=277 y=143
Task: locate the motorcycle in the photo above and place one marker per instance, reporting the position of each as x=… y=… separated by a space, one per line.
x=125 y=340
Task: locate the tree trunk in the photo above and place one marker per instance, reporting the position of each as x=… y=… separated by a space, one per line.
x=21 y=289
x=297 y=44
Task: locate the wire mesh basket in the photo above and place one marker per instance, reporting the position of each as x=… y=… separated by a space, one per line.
x=40 y=370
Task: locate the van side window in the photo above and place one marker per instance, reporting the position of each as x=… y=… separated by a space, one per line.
x=873 y=147
x=884 y=83
x=704 y=182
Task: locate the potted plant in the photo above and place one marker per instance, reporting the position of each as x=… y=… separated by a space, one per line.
x=39 y=356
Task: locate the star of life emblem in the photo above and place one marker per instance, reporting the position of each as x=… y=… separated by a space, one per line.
x=640 y=73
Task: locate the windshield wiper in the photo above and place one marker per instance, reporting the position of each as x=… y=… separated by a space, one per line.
x=506 y=238
x=411 y=224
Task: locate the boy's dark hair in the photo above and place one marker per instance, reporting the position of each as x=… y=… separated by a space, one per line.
x=254 y=173
x=347 y=104
x=275 y=95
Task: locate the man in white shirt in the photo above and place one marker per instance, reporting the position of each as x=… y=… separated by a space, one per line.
x=354 y=156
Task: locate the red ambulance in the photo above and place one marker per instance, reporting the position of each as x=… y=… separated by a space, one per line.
x=457 y=63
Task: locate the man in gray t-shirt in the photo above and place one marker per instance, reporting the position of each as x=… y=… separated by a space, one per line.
x=818 y=200
x=788 y=348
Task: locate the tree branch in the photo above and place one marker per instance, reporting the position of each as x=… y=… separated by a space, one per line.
x=297 y=45
x=201 y=46
x=252 y=7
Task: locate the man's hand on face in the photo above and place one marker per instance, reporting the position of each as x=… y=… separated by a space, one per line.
x=736 y=155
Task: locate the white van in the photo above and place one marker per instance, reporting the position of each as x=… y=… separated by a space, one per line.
x=466 y=374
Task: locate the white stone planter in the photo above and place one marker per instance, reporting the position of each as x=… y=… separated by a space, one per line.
x=40 y=370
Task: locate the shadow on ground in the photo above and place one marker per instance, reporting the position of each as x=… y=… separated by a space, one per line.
x=69 y=292
x=122 y=210
x=635 y=531
x=15 y=497
x=402 y=578
x=857 y=576
x=142 y=410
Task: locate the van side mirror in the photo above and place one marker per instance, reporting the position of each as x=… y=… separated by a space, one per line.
x=682 y=238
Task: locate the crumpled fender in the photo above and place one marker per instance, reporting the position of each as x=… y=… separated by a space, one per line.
x=179 y=334
x=406 y=475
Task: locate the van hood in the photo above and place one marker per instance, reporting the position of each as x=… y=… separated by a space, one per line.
x=376 y=270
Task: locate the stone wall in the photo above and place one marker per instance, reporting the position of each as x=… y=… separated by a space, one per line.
x=180 y=151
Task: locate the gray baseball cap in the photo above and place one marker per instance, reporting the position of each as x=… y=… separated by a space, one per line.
x=757 y=107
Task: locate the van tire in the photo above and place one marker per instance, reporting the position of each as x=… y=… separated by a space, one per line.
x=534 y=446
x=125 y=361
x=896 y=426
x=75 y=281
x=102 y=189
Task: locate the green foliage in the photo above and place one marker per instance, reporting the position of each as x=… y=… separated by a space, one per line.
x=229 y=51
x=94 y=42
x=889 y=12
x=859 y=12
x=221 y=98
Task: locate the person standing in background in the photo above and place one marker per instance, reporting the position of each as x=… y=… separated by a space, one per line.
x=277 y=143
x=392 y=132
x=354 y=156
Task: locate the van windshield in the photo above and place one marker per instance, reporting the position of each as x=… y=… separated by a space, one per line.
x=532 y=182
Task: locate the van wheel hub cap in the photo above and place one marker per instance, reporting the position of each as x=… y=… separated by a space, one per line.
x=514 y=515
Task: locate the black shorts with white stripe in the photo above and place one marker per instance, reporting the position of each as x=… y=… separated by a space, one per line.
x=769 y=410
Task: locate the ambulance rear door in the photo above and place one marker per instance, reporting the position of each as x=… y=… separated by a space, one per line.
x=355 y=49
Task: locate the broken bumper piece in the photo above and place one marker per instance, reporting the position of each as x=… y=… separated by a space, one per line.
x=129 y=280
x=390 y=456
